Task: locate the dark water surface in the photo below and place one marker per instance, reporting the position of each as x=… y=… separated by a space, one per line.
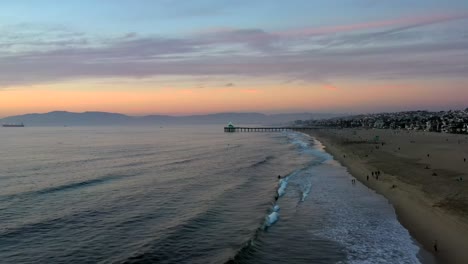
x=185 y=195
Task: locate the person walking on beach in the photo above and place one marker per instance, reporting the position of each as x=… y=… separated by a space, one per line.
x=435 y=246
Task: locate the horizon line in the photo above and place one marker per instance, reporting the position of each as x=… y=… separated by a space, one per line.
x=250 y=112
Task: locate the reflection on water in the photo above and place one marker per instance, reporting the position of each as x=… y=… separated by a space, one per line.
x=166 y=195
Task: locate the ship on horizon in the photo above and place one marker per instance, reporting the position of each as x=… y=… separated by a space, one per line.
x=13 y=125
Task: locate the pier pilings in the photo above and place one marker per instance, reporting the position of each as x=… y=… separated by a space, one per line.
x=266 y=129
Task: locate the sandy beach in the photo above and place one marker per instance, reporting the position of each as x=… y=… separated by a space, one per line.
x=424 y=175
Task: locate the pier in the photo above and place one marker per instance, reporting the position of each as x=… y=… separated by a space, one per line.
x=265 y=129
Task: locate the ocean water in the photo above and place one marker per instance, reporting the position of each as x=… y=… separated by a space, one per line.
x=186 y=195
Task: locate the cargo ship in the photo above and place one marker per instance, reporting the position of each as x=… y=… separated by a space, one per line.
x=13 y=125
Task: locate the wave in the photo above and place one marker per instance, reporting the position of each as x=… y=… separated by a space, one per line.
x=45 y=225
x=119 y=155
x=366 y=236
x=276 y=208
x=283 y=183
x=246 y=249
x=71 y=186
x=82 y=184
x=181 y=242
x=167 y=249
x=249 y=245
x=259 y=163
x=183 y=161
x=4 y=178
x=271 y=218
x=133 y=164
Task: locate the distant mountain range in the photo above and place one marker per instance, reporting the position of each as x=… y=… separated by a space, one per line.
x=63 y=118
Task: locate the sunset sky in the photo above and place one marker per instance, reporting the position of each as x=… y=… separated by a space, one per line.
x=193 y=57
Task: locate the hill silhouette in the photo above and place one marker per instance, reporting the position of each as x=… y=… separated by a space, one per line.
x=61 y=118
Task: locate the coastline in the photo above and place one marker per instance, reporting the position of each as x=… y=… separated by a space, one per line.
x=417 y=208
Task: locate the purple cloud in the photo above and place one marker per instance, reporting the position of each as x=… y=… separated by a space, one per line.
x=397 y=49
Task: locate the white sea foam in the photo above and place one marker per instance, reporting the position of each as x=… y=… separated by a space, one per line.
x=271 y=219
x=357 y=218
x=305 y=189
x=283 y=183
x=297 y=139
x=276 y=208
x=370 y=233
x=315 y=150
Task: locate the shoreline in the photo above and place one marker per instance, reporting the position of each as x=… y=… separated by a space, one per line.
x=415 y=210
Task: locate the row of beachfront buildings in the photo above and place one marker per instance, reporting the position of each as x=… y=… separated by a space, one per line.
x=453 y=121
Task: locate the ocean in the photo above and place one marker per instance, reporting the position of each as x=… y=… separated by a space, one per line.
x=187 y=194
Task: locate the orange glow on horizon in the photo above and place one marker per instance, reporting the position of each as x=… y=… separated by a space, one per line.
x=127 y=99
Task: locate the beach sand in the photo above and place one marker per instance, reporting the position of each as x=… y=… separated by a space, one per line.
x=419 y=174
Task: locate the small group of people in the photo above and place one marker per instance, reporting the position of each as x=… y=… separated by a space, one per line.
x=376 y=174
x=353 y=181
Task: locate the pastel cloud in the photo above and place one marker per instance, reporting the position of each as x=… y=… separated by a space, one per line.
x=264 y=40
x=399 y=22
x=330 y=87
x=216 y=53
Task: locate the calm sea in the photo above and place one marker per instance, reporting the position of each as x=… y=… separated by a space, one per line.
x=186 y=195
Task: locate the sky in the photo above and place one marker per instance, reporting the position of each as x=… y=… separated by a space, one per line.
x=179 y=57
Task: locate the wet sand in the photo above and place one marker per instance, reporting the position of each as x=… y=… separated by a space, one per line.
x=419 y=174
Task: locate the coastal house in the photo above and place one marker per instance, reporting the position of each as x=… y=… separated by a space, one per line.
x=379 y=124
x=442 y=121
x=428 y=126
